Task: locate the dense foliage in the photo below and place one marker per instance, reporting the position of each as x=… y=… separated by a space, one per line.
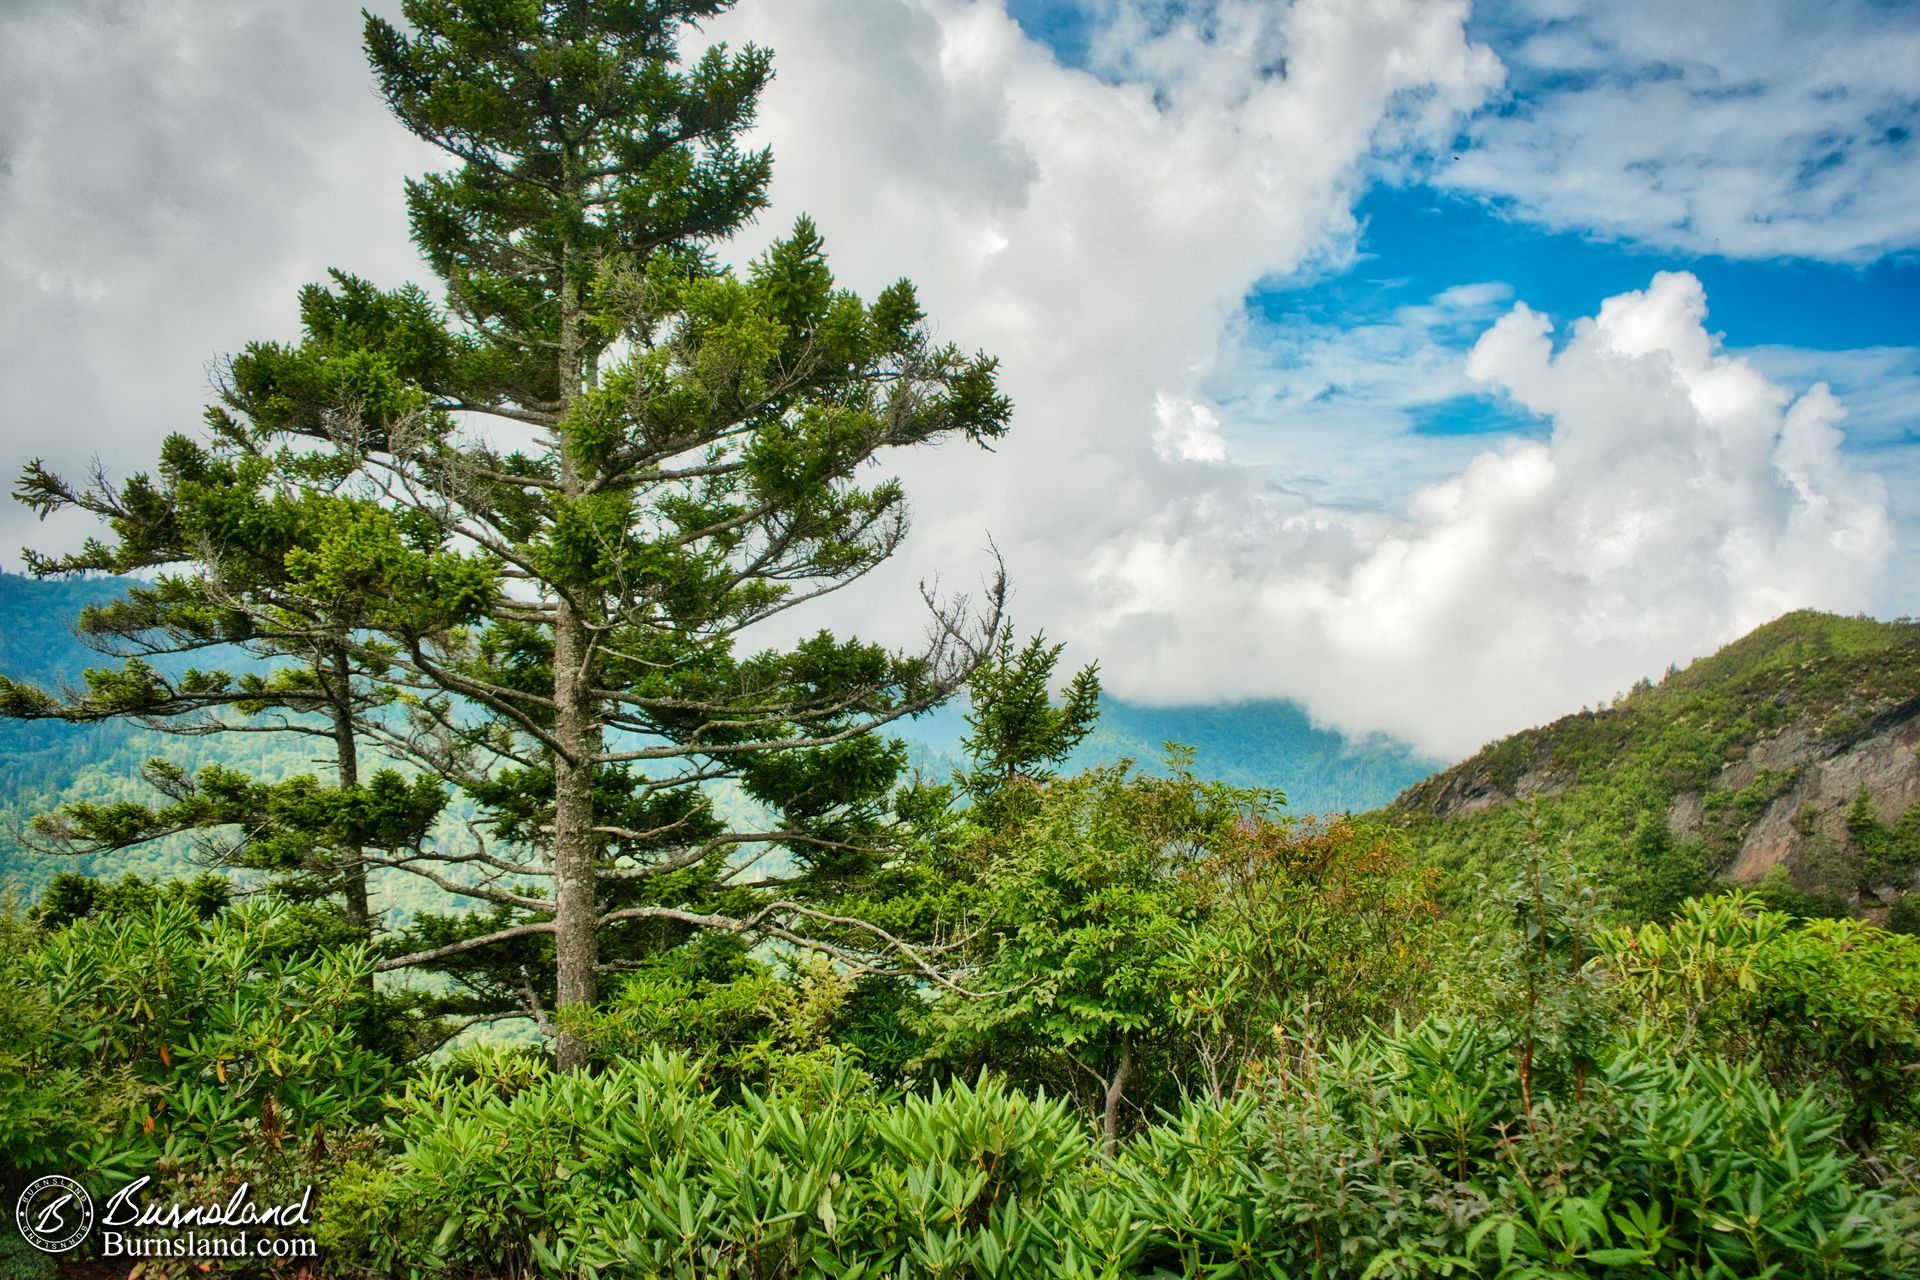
x=1590 y=1114
x=140 y=1032
x=1143 y=936
x=1607 y=780
x=744 y=996
x=1403 y=1155
x=1832 y=1004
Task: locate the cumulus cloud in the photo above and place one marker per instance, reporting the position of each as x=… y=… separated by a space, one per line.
x=1215 y=506
x=174 y=170
x=1096 y=227
x=1681 y=499
x=1752 y=129
x=171 y=171
x=1880 y=387
x=1187 y=432
x=1222 y=507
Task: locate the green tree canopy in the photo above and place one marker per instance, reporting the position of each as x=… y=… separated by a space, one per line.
x=1014 y=729
x=645 y=455
x=237 y=633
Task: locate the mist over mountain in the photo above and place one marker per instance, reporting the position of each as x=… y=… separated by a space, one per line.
x=1263 y=743
x=1787 y=758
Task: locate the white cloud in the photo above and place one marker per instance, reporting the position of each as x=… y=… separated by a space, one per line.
x=1097 y=229
x=175 y=170
x=171 y=171
x=1220 y=508
x=1751 y=130
x=1880 y=387
x=1213 y=507
x=1681 y=499
x=1187 y=432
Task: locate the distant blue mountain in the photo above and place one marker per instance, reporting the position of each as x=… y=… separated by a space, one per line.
x=44 y=764
x=1266 y=742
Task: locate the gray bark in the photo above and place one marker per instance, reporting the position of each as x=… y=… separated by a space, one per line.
x=576 y=733
x=1116 y=1090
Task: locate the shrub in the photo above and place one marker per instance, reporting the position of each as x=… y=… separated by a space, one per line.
x=1830 y=1003
x=1139 y=936
x=1404 y=1154
x=148 y=1034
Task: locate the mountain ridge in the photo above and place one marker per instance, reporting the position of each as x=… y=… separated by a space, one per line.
x=1786 y=760
x=1269 y=743
x=1256 y=742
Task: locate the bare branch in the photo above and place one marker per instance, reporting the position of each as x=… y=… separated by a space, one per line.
x=468 y=944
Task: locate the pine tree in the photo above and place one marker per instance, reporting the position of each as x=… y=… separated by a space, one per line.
x=648 y=454
x=1014 y=730
x=232 y=636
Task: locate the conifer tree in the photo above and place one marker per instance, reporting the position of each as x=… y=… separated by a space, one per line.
x=233 y=635
x=647 y=455
x=1014 y=730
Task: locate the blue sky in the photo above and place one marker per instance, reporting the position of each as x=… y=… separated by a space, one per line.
x=1441 y=365
x=1417 y=239
x=1760 y=158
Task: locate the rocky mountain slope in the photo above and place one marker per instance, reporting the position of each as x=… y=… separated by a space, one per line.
x=1788 y=760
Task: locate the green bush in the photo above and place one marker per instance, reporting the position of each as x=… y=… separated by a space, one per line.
x=1405 y=1154
x=759 y=1023
x=1724 y=1095
x=150 y=1033
x=1137 y=937
x=1581 y=1119
x=1833 y=1004
x=21 y=1261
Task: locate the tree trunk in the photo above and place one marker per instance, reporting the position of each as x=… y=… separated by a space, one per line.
x=1116 y=1090
x=352 y=857
x=576 y=911
x=576 y=916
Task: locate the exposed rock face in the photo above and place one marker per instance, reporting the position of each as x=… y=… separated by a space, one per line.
x=1884 y=763
x=1516 y=768
x=1756 y=756
x=1819 y=777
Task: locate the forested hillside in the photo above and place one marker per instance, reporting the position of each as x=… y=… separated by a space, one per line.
x=1258 y=743
x=44 y=764
x=1264 y=743
x=1785 y=761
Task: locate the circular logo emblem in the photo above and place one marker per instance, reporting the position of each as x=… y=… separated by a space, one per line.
x=54 y=1214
